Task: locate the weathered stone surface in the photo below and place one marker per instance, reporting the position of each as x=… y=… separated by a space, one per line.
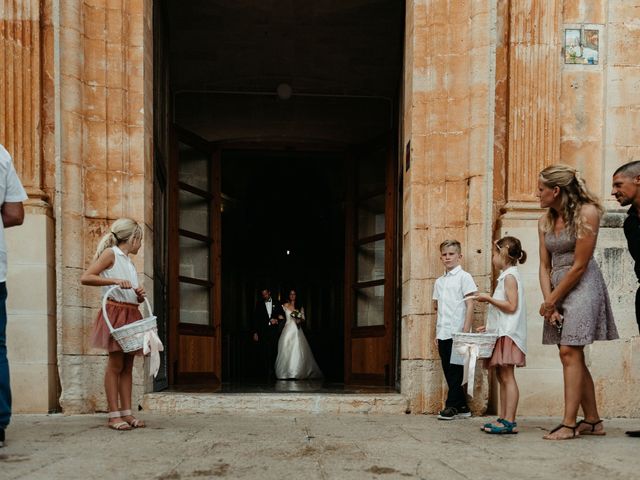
x=84 y=383
x=104 y=173
x=299 y=445
x=324 y=403
x=448 y=123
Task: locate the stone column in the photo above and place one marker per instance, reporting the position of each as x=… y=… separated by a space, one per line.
x=31 y=307
x=448 y=120
x=532 y=142
x=104 y=170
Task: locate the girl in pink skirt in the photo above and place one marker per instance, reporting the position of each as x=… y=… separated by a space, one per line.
x=507 y=318
x=112 y=266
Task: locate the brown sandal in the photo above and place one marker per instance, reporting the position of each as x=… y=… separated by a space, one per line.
x=593 y=430
x=572 y=428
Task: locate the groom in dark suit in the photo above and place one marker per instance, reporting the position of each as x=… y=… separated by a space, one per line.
x=268 y=321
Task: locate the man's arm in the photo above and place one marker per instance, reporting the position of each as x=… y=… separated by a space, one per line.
x=12 y=214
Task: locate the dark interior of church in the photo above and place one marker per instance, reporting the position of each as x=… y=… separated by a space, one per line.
x=287 y=91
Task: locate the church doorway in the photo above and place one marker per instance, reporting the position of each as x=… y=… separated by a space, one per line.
x=276 y=150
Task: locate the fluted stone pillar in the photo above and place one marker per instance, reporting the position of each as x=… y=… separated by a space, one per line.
x=31 y=285
x=532 y=141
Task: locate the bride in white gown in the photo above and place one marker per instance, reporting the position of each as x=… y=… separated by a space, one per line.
x=295 y=359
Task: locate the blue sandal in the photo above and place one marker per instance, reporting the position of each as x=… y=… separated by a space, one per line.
x=507 y=428
x=490 y=424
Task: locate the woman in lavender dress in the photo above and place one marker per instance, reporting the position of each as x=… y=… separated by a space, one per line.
x=576 y=304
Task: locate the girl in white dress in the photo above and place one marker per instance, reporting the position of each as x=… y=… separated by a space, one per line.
x=295 y=359
x=112 y=266
x=507 y=317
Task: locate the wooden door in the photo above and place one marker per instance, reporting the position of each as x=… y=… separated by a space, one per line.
x=370 y=266
x=194 y=261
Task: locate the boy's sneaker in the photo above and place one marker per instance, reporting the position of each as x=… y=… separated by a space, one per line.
x=463 y=412
x=451 y=413
x=1 y=437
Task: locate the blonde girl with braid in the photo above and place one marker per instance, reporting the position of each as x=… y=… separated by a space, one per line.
x=112 y=266
x=576 y=307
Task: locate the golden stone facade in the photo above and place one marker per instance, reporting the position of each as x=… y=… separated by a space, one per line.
x=487 y=103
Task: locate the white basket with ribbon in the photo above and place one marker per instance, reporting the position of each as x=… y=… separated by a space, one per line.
x=139 y=335
x=473 y=346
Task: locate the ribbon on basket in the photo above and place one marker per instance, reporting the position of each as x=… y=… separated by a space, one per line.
x=152 y=346
x=470 y=351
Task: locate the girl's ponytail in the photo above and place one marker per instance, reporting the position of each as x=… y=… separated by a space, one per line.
x=523 y=257
x=511 y=250
x=108 y=240
x=122 y=230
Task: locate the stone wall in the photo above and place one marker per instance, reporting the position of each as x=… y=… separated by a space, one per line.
x=539 y=111
x=448 y=119
x=103 y=170
x=597 y=116
x=487 y=102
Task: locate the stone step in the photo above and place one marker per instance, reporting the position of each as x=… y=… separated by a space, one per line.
x=174 y=402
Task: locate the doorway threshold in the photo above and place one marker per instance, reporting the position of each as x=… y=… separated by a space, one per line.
x=281 y=397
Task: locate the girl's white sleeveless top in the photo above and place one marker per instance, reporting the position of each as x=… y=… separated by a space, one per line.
x=122 y=268
x=512 y=325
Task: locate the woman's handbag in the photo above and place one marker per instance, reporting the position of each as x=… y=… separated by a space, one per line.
x=139 y=335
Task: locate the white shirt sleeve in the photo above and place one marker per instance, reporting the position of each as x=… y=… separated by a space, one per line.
x=14 y=191
x=468 y=285
x=436 y=290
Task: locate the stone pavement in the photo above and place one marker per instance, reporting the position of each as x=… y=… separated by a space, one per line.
x=274 y=446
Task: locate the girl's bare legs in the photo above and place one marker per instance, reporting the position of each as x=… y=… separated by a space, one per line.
x=512 y=393
x=125 y=388
x=573 y=368
x=115 y=365
x=502 y=395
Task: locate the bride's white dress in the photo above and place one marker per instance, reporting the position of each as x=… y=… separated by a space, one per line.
x=295 y=359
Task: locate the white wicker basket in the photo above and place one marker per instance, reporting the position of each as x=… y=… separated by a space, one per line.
x=130 y=337
x=484 y=341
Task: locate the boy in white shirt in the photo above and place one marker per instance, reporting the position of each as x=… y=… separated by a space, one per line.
x=452 y=299
x=12 y=195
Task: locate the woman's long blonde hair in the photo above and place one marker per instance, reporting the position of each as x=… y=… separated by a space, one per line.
x=573 y=195
x=122 y=230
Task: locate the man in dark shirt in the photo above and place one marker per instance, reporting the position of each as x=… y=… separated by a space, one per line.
x=625 y=187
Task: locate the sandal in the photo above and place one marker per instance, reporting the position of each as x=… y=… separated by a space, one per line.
x=593 y=430
x=490 y=424
x=506 y=428
x=573 y=430
x=120 y=426
x=135 y=422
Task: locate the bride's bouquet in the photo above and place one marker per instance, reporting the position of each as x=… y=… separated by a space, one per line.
x=298 y=317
